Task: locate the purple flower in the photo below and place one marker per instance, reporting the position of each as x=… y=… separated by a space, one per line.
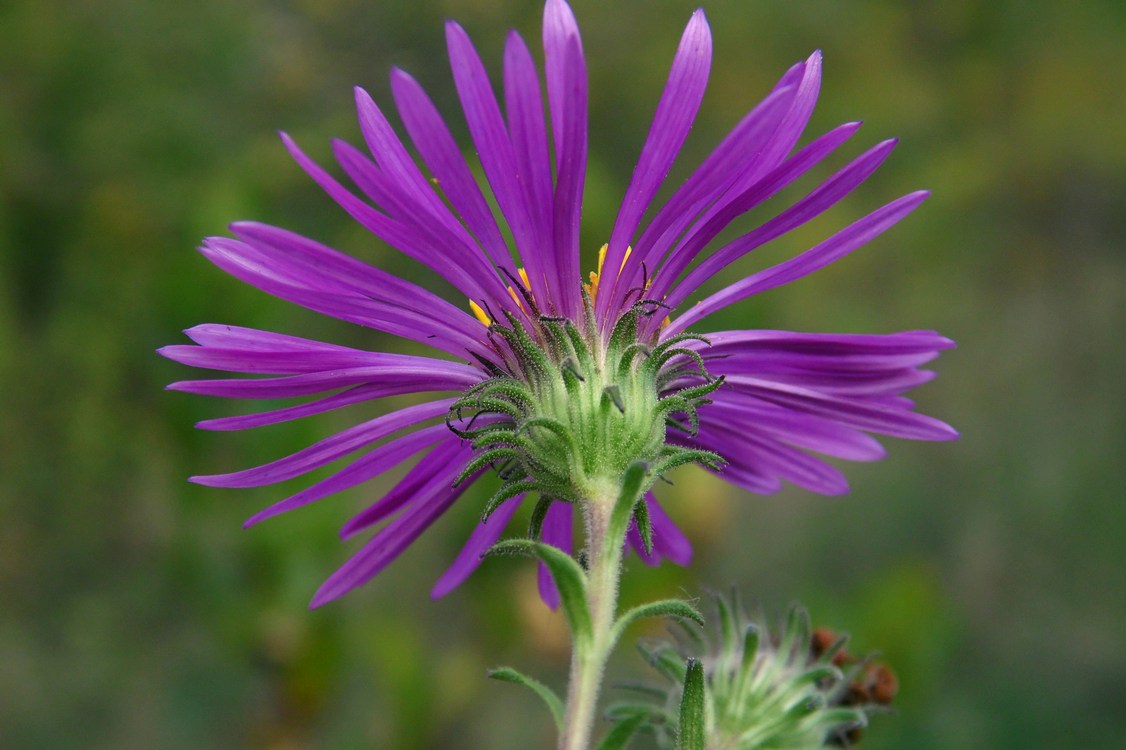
x=772 y=396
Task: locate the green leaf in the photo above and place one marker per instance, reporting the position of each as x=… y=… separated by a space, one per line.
x=569 y=579
x=664 y=608
x=691 y=734
x=618 y=737
x=508 y=674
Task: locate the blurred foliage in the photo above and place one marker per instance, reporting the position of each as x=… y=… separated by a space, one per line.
x=137 y=614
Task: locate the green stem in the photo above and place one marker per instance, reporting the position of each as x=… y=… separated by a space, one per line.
x=588 y=659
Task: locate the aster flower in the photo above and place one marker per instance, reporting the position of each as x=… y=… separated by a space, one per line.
x=558 y=382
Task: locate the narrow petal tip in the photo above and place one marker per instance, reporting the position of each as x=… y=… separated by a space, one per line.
x=322 y=598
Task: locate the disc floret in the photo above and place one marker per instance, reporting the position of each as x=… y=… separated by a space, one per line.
x=572 y=409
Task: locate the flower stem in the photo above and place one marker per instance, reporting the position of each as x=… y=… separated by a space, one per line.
x=588 y=659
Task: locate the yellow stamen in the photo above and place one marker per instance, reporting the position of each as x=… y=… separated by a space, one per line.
x=481 y=315
x=591 y=288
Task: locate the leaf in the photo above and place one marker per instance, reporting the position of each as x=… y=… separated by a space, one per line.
x=508 y=674
x=569 y=579
x=664 y=608
x=618 y=737
x=692 y=732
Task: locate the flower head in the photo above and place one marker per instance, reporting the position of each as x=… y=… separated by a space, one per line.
x=562 y=382
x=793 y=688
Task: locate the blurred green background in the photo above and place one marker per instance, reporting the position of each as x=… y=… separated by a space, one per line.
x=136 y=614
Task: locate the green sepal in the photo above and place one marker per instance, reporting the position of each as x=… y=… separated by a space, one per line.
x=699 y=391
x=633 y=484
x=569 y=579
x=818 y=675
x=796 y=635
x=539 y=513
x=644 y=688
x=665 y=660
x=644 y=525
x=660 y=360
x=729 y=629
x=692 y=729
x=625 y=364
x=664 y=608
x=553 y=426
x=507 y=491
x=625 y=329
x=487 y=404
x=674 y=404
x=653 y=714
x=679 y=339
x=614 y=393
x=619 y=737
x=683 y=456
x=484 y=459
x=554 y=704
x=503 y=436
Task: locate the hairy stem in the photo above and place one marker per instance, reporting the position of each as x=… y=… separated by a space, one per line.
x=588 y=659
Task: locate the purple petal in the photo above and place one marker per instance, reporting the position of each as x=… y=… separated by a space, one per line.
x=828 y=344
x=739 y=470
x=355 y=395
x=361 y=470
x=484 y=536
x=455 y=334
x=425 y=375
x=420 y=246
x=438 y=149
x=717 y=218
x=812 y=205
x=414 y=201
x=853 y=412
x=684 y=90
x=801 y=430
x=737 y=152
x=794 y=124
x=567 y=99
x=757 y=462
x=528 y=131
x=301 y=261
x=253 y=361
x=557 y=531
x=389 y=543
x=490 y=136
x=832 y=249
x=328 y=450
x=218 y=335
x=441 y=466
x=402 y=174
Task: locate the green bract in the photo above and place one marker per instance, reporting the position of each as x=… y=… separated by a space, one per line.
x=572 y=411
x=755 y=691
